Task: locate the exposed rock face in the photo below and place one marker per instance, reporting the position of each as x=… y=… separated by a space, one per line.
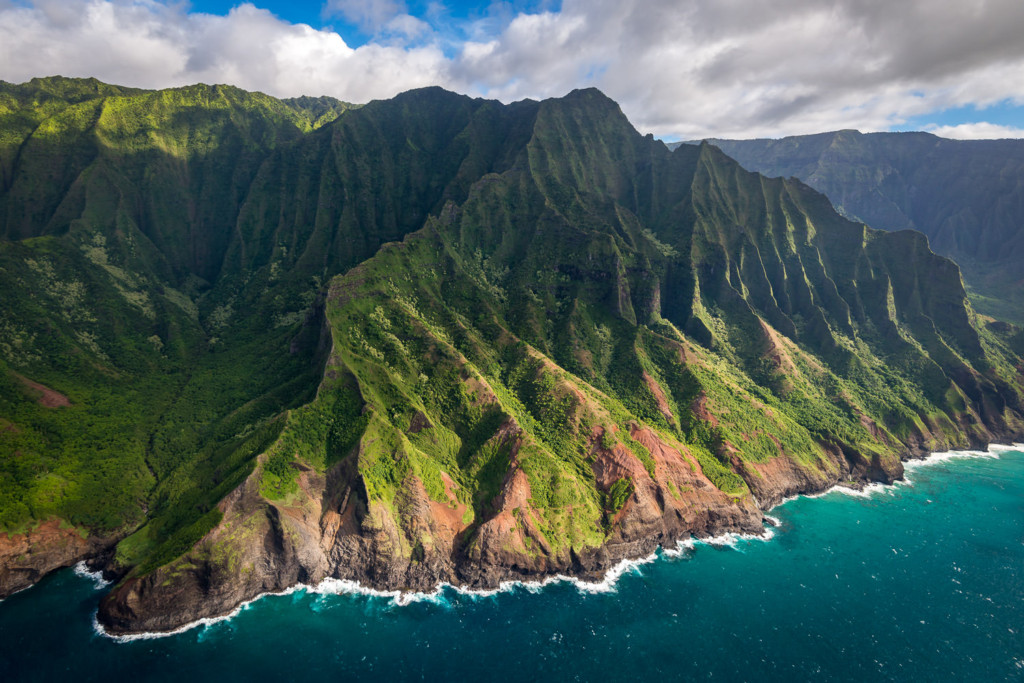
x=262 y=547
x=329 y=530
x=26 y=558
x=965 y=195
x=582 y=346
x=45 y=395
x=500 y=412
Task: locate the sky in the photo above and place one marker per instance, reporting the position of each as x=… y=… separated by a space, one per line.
x=680 y=69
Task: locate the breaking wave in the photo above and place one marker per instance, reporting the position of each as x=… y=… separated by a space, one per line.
x=205 y=621
x=607 y=584
x=82 y=569
x=994 y=451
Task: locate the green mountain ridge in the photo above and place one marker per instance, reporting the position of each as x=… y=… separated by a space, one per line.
x=967 y=196
x=438 y=339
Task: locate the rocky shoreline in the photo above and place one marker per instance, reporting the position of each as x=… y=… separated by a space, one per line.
x=26 y=558
x=285 y=551
x=158 y=603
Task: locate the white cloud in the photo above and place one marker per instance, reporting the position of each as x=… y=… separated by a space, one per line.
x=147 y=44
x=407 y=27
x=369 y=15
x=728 y=68
x=981 y=130
x=742 y=69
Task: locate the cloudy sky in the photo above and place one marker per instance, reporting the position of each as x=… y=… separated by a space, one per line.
x=680 y=69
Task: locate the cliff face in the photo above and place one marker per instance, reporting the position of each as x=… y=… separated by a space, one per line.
x=27 y=557
x=583 y=346
x=967 y=196
x=580 y=361
x=327 y=531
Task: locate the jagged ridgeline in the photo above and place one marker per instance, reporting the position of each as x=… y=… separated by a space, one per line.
x=967 y=196
x=433 y=338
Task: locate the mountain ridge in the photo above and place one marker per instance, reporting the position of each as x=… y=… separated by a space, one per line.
x=965 y=195
x=455 y=340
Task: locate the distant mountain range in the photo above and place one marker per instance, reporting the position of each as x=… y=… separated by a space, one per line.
x=247 y=343
x=967 y=196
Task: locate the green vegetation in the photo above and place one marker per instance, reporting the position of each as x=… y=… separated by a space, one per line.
x=439 y=297
x=963 y=194
x=618 y=494
x=640 y=451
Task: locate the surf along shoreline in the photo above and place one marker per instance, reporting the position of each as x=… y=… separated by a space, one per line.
x=607 y=584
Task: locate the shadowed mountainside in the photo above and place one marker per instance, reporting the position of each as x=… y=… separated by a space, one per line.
x=967 y=196
x=440 y=339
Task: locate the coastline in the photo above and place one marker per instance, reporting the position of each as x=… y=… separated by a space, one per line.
x=607 y=583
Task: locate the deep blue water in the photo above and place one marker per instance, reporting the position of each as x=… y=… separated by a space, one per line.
x=915 y=582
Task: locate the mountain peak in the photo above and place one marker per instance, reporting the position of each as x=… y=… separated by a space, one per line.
x=519 y=339
x=591 y=98
x=426 y=94
x=588 y=93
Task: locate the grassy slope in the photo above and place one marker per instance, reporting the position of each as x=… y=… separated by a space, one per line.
x=573 y=279
x=538 y=301
x=130 y=197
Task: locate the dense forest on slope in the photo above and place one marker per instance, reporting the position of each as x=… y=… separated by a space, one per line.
x=249 y=342
x=967 y=196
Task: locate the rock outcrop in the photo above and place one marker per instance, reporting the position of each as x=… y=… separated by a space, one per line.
x=27 y=557
x=440 y=339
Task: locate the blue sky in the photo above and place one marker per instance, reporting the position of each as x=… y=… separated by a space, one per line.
x=453 y=17
x=316 y=13
x=1001 y=115
x=296 y=12
x=680 y=69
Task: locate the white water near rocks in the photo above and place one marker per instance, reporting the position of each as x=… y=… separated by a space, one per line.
x=607 y=584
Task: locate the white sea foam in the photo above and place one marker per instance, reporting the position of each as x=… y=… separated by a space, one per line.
x=97 y=627
x=611 y=577
x=727 y=540
x=20 y=590
x=787 y=499
x=331 y=586
x=994 y=451
x=684 y=546
x=865 y=492
x=732 y=539
x=82 y=569
x=1003 y=448
x=607 y=584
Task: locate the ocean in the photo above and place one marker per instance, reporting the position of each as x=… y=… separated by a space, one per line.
x=919 y=581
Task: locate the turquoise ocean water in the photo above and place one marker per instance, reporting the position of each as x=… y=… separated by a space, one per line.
x=914 y=582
